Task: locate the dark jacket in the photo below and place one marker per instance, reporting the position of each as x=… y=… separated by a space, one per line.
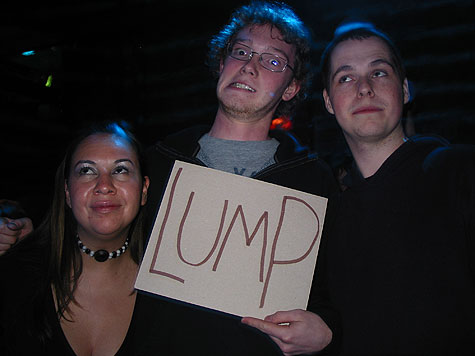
x=398 y=262
x=207 y=332
x=296 y=166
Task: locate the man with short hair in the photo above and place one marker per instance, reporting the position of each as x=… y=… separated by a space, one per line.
x=398 y=262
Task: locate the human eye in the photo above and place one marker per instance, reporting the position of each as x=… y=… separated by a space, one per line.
x=379 y=73
x=344 y=79
x=240 y=50
x=272 y=61
x=275 y=61
x=85 y=170
x=121 y=169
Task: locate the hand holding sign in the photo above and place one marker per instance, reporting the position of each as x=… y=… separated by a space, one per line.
x=296 y=332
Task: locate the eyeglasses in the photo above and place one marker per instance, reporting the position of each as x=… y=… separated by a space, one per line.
x=269 y=61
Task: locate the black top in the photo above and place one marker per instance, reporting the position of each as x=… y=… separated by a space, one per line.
x=27 y=307
x=398 y=260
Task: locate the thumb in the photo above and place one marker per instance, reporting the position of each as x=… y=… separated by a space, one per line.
x=276 y=318
x=14 y=225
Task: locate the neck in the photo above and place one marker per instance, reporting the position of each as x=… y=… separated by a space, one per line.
x=96 y=241
x=229 y=128
x=370 y=156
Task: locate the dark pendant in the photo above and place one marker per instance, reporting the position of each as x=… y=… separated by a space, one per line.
x=101 y=255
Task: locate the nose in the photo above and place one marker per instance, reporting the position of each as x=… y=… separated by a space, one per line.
x=365 y=88
x=250 y=66
x=105 y=185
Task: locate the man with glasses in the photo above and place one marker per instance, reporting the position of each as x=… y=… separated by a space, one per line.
x=261 y=59
x=272 y=62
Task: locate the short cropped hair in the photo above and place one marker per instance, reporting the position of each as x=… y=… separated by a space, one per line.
x=294 y=32
x=364 y=31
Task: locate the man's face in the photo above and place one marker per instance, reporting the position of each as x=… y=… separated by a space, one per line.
x=365 y=92
x=246 y=90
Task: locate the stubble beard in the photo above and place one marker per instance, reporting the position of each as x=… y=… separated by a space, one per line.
x=243 y=112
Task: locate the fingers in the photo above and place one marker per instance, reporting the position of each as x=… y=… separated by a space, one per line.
x=270 y=328
x=9 y=224
x=7 y=241
x=8 y=228
x=25 y=224
x=255 y=322
x=15 y=227
x=4 y=248
x=295 y=331
x=284 y=317
x=10 y=232
x=277 y=332
x=16 y=224
x=275 y=324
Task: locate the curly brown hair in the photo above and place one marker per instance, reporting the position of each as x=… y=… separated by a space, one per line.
x=277 y=15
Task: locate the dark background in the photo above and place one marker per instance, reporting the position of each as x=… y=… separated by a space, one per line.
x=144 y=61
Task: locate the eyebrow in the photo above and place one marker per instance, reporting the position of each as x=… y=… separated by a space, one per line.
x=92 y=162
x=374 y=63
x=381 y=61
x=343 y=68
x=247 y=43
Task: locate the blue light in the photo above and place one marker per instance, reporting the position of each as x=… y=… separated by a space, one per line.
x=28 y=53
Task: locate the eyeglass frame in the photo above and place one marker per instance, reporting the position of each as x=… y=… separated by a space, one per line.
x=251 y=54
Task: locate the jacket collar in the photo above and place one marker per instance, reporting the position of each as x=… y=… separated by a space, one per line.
x=186 y=142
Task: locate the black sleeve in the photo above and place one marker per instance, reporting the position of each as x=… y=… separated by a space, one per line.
x=320 y=301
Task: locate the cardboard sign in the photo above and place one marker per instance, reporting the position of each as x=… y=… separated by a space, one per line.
x=232 y=243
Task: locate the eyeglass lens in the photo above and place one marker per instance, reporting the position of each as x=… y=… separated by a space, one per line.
x=269 y=61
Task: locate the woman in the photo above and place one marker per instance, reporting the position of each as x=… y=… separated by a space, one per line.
x=63 y=294
x=69 y=289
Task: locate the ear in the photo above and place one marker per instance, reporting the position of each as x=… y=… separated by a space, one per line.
x=405 y=90
x=292 y=89
x=328 y=103
x=66 y=192
x=146 y=183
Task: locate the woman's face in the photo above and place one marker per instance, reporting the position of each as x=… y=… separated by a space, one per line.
x=105 y=189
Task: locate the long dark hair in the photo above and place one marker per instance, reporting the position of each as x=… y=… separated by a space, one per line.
x=58 y=231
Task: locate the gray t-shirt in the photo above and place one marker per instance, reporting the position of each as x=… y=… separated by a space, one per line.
x=240 y=157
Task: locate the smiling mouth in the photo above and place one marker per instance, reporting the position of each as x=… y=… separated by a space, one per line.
x=243 y=86
x=104 y=207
